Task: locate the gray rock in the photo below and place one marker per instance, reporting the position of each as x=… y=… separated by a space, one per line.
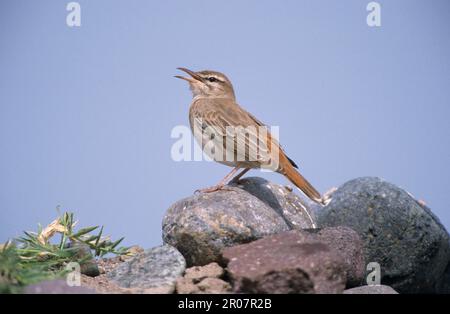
x=372 y=289
x=154 y=271
x=444 y=285
x=200 y=226
x=296 y=261
x=58 y=286
x=403 y=236
x=287 y=204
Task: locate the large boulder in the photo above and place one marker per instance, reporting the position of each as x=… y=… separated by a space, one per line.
x=202 y=225
x=444 y=285
x=402 y=235
x=297 y=261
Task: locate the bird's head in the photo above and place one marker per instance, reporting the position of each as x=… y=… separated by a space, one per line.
x=208 y=83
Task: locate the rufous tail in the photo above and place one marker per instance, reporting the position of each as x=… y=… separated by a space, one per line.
x=296 y=178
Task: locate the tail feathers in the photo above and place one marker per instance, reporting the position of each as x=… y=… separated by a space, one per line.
x=296 y=178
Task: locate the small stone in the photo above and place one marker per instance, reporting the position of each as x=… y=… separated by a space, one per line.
x=154 y=271
x=203 y=279
x=206 y=285
x=101 y=269
x=186 y=286
x=197 y=273
x=131 y=252
x=371 y=289
x=89 y=267
x=214 y=285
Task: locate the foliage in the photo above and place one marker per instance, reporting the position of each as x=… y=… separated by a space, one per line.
x=34 y=257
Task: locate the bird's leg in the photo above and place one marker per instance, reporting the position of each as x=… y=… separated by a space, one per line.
x=239 y=176
x=221 y=184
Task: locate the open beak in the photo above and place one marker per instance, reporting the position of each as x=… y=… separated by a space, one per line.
x=195 y=78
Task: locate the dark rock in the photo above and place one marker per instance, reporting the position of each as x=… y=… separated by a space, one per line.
x=444 y=285
x=154 y=271
x=200 y=226
x=297 y=261
x=58 y=286
x=83 y=252
x=403 y=236
x=372 y=289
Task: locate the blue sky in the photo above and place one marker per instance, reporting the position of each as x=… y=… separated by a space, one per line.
x=86 y=112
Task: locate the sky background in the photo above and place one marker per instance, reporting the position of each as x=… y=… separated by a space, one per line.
x=86 y=113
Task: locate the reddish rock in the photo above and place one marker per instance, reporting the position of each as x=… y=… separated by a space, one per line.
x=186 y=286
x=348 y=244
x=198 y=273
x=298 y=261
x=203 y=279
x=214 y=285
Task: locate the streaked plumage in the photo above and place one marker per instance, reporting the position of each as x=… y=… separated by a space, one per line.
x=214 y=108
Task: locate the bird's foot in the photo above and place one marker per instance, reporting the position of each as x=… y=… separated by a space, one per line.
x=211 y=189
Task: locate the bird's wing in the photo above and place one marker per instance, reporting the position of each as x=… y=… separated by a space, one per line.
x=274 y=141
x=229 y=121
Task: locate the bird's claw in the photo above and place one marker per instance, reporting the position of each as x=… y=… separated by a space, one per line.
x=208 y=190
x=212 y=189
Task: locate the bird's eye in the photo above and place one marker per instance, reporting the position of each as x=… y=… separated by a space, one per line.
x=212 y=79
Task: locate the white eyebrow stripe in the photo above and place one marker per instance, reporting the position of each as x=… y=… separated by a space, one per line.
x=217 y=77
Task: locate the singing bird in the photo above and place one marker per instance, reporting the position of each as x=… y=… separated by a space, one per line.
x=214 y=108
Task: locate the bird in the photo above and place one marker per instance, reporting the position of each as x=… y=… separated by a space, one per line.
x=214 y=112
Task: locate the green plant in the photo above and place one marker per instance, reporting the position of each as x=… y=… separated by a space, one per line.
x=34 y=257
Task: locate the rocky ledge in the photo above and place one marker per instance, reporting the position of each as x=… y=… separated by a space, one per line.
x=260 y=237
x=271 y=240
